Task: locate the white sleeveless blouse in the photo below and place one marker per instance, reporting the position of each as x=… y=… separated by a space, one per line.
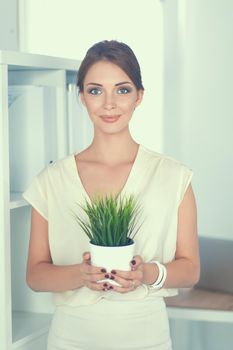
x=158 y=181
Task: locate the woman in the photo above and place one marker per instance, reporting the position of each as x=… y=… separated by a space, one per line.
x=91 y=315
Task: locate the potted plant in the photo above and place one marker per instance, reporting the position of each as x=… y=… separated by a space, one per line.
x=111 y=228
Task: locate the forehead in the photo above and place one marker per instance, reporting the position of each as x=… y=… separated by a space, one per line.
x=104 y=72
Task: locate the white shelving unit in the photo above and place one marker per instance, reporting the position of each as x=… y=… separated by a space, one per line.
x=16 y=200
x=194 y=314
x=35 y=325
x=201 y=319
x=32 y=134
x=196 y=304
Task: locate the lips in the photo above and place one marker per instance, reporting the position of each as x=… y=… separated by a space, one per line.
x=110 y=119
x=111 y=116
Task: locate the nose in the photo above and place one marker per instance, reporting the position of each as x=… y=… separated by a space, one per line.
x=109 y=101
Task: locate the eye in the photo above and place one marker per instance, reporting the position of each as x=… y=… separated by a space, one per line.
x=94 y=91
x=124 y=90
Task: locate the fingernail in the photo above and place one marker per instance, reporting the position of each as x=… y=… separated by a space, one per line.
x=105 y=284
x=110 y=287
x=103 y=270
x=112 y=277
x=114 y=272
x=106 y=276
x=133 y=262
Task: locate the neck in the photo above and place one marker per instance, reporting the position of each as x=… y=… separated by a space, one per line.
x=113 y=150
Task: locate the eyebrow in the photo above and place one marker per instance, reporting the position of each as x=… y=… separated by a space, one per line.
x=122 y=82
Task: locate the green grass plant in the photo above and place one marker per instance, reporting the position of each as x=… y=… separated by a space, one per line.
x=112 y=220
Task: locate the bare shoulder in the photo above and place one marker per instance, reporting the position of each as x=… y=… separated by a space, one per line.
x=189 y=201
x=187 y=225
x=85 y=158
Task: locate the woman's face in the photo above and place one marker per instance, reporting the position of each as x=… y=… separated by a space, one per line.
x=110 y=96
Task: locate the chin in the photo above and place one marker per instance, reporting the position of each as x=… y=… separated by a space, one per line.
x=111 y=129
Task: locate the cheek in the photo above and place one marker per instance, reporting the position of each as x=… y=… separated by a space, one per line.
x=130 y=107
x=93 y=104
x=127 y=104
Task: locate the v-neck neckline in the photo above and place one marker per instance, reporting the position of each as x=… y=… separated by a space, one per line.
x=129 y=179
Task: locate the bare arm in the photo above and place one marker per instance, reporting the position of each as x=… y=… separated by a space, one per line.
x=184 y=271
x=43 y=275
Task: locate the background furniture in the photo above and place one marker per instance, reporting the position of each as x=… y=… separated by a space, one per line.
x=34 y=130
x=195 y=314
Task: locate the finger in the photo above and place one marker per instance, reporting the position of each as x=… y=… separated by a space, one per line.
x=121 y=289
x=124 y=282
x=87 y=257
x=128 y=275
x=123 y=274
x=135 y=262
x=90 y=270
x=104 y=286
x=131 y=286
x=97 y=278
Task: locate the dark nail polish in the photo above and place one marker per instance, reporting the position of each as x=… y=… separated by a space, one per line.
x=106 y=276
x=110 y=287
x=105 y=284
x=112 y=277
x=114 y=272
x=133 y=262
x=103 y=270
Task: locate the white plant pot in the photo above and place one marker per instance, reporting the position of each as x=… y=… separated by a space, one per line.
x=112 y=258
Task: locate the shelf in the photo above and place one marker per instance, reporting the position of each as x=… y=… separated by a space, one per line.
x=201 y=305
x=15 y=91
x=34 y=132
x=27 y=326
x=17 y=201
x=20 y=61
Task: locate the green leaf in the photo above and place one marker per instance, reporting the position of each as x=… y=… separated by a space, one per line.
x=112 y=219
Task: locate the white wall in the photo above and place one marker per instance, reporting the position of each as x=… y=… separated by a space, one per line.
x=198 y=123
x=8 y=25
x=198 y=129
x=68 y=28
x=196 y=126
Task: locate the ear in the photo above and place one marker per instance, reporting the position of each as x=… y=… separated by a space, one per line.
x=139 y=98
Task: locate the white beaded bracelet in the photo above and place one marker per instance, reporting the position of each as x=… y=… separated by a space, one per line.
x=158 y=284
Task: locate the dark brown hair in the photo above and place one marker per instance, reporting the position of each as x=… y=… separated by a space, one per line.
x=113 y=51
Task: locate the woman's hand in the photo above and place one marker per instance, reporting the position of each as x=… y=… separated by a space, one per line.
x=129 y=280
x=91 y=274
